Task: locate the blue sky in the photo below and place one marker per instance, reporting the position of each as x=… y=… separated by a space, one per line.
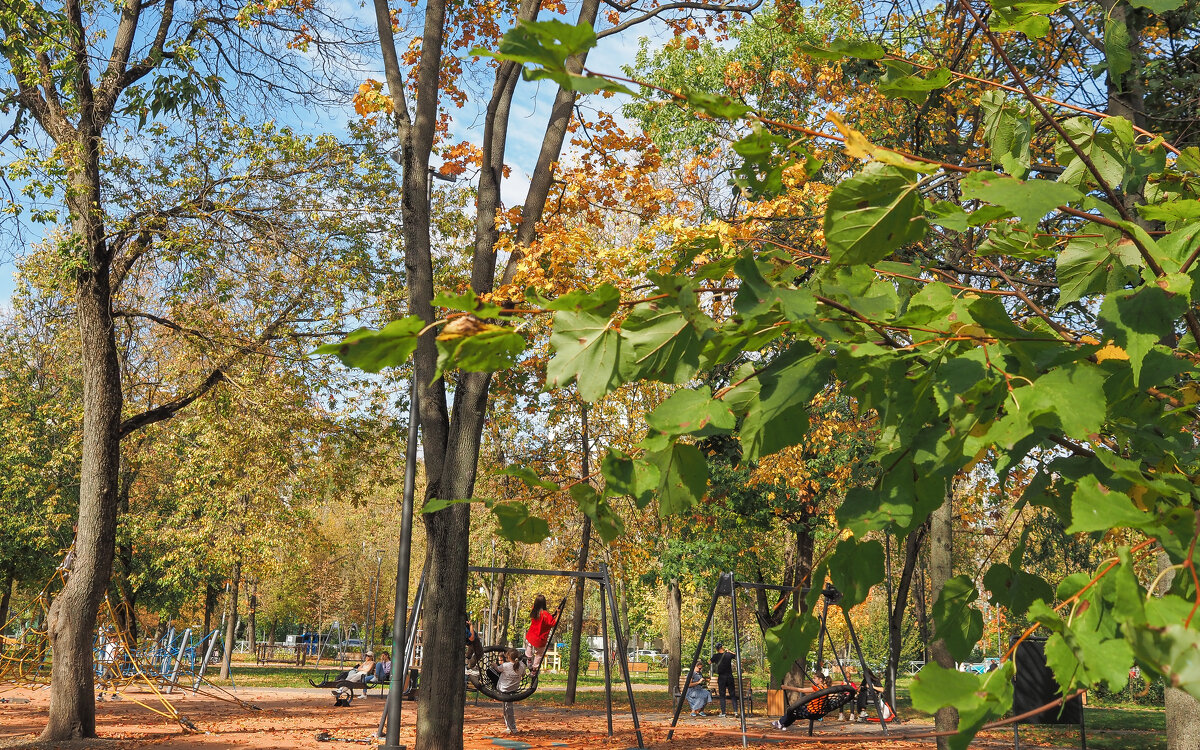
x=530 y=108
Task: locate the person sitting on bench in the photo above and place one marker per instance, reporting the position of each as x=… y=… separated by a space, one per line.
x=383 y=668
x=820 y=682
x=362 y=673
x=697 y=693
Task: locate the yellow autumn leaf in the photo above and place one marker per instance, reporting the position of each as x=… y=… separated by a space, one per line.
x=859 y=147
x=1111 y=351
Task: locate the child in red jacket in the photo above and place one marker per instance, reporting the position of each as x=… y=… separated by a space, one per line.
x=541 y=622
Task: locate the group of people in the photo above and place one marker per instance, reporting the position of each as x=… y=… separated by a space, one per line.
x=369 y=670
x=512 y=670
x=697 y=694
x=856 y=711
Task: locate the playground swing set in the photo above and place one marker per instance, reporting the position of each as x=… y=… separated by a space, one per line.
x=813 y=706
x=484 y=677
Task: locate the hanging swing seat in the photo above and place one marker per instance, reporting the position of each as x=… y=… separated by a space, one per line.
x=485 y=677
x=818 y=705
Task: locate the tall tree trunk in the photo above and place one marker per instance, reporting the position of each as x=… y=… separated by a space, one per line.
x=912 y=550
x=252 y=633
x=232 y=623
x=941 y=530
x=920 y=610
x=8 y=581
x=72 y=618
x=498 y=606
x=1182 y=710
x=210 y=605
x=674 y=633
x=584 y=542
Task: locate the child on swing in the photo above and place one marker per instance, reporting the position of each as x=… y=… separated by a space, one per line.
x=541 y=622
x=790 y=714
x=511 y=670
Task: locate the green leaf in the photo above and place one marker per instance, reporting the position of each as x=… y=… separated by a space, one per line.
x=715 y=105
x=372 y=351
x=1176 y=210
x=1138 y=318
x=517 y=525
x=1008 y=132
x=789 y=642
x=468 y=301
x=777 y=409
x=840 y=49
x=854 y=567
x=662 y=343
x=1174 y=652
x=1118 y=48
x=1095 y=507
x=492 y=347
x=1085 y=267
x=1015 y=589
x=434 y=504
x=1080 y=656
x=528 y=476
x=688 y=411
x=956 y=622
x=549 y=44
x=603 y=300
x=605 y=520
x=1157 y=6
x=1031 y=200
x=587 y=349
x=756 y=295
x=873 y=213
x=900 y=81
x=977 y=697
x=683 y=477
x=627 y=476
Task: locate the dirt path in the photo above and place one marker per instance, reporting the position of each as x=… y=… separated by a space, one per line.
x=292 y=718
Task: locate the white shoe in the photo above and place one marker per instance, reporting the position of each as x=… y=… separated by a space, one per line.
x=776 y=725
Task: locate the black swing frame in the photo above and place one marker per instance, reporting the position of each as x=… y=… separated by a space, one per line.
x=608 y=608
x=728 y=585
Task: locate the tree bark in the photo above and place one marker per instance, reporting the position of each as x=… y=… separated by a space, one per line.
x=231 y=623
x=674 y=633
x=72 y=617
x=920 y=611
x=210 y=604
x=584 y=543
x=499 y=608
x=941 y=529
x=8 y=581
x=252 y=633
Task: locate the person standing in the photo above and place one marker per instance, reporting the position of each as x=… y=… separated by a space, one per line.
x=511 y=671
x=541 y=622
x=722 y=669
x=474 y=645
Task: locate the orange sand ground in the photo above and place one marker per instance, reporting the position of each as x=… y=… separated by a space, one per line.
x=291 y=718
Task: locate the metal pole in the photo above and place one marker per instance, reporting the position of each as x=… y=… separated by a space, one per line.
x=890 y=673
x=399 y=622
x=612 y=606
x=820 y=647
x=867 y=683
x=207 y=655
x=405 y=660
x=695 y=660
x=183 y=644
x=375 y=603
x=737 y=653
x=607 y=651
